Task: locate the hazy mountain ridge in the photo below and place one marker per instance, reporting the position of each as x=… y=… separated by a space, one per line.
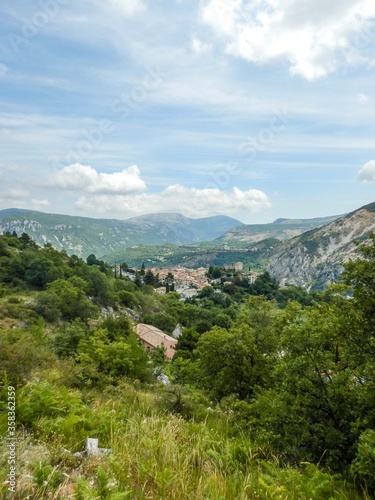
x=189 y=230
x=83 y=235
x=313 y=221
x=314 y=258
x=282 y=229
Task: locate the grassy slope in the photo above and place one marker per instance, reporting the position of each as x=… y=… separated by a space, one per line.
x=156 y=454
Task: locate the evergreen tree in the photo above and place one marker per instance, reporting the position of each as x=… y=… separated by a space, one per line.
x=149 y=277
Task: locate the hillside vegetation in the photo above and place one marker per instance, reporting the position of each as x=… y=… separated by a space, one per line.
x=194 y=256
x=268 y=397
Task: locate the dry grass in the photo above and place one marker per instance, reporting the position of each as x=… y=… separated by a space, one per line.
x=159 y=456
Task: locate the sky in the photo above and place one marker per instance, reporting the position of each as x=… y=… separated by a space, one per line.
x=253 y=109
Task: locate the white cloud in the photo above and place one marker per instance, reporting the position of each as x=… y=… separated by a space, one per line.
x=362 y=98
x=191 y=202
x=198 y=46
x=367 y=172
x=39 y=204
x=19 y=197
x=14 y=193
x=79 y=177
x=313 y=36
x=128 y=7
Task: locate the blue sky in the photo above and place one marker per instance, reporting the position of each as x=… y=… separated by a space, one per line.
x=256 y=110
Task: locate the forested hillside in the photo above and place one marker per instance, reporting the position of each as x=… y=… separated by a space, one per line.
x=84 y=235
x=270 y=393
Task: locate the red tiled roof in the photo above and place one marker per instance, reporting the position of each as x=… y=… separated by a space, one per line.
x=153 y=335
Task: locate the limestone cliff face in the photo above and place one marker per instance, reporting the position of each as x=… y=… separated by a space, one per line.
x=314 y=259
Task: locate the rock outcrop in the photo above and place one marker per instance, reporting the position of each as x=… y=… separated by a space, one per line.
x=314 y=259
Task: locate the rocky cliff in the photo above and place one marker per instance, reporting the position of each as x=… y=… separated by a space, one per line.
x=314 y=259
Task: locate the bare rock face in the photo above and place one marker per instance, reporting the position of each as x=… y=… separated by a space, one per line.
x=314 y=259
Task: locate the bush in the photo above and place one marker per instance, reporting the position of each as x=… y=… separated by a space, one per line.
x=16 y=361
x=114 y=359
x=363 y=466
x=65 y=299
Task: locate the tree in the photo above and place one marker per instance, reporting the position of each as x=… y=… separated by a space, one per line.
x=68 y=338
x=360 y=276
x=42 y=270
x=149 y=277
x=66 y=299
x=264 y=285
x=207 y=291
x=165 y=321
x=99 y=285
x=138 y=279
x=315 y=377
x=223 y=320
x=322 y=395
x=241 y=359
x=188 y=340
x=92 y=260
x=169 y=279
x=114 y=358
x=127 y=299
x=214 y=272
x=27 y=241
x=16 y=361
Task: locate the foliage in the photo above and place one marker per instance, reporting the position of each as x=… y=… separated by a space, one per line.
x=363 y=466
x=16 y=363
x=50 y=410
x=65 y=299
x=105 y=353
x=264 y=402
x=239 y=360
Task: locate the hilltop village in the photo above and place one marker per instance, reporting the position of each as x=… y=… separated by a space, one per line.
x=188 y=282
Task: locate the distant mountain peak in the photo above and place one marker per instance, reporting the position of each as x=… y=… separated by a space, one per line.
x=84 y=236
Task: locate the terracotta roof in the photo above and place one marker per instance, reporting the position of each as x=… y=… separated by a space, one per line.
x=152 y=335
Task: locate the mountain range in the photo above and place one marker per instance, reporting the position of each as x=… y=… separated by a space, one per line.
x=83 y=236
x=282 y=229
x=306 y=252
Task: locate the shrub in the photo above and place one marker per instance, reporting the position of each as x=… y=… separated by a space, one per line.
x=363 y=466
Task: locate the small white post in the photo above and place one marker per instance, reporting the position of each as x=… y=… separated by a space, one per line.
x=92 y=446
